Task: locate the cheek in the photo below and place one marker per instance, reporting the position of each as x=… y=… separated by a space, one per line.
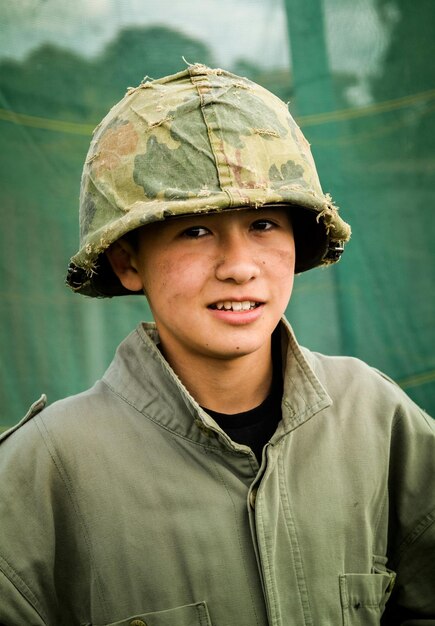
x=281 y=263
x=174 y=279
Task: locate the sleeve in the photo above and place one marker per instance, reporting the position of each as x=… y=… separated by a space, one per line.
x=412 y=518
x=27 y=548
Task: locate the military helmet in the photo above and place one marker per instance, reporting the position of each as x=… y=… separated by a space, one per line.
x=200 y=141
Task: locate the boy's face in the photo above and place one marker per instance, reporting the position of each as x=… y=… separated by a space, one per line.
x=217 y=284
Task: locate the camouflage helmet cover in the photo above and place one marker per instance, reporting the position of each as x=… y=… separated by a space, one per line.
x=199 y=141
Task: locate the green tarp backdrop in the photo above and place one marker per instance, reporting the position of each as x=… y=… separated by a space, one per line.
x=360 y=79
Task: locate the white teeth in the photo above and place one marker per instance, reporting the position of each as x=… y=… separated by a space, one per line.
x=228 y=305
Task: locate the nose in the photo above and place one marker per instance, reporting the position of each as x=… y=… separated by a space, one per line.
x=237 y=261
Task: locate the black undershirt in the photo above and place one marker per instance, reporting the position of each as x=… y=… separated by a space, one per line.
x=255 y=427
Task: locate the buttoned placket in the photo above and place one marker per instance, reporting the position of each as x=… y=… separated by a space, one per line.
x=253 y=505
x=253 y=502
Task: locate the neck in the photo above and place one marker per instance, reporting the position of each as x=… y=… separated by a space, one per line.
x=226 y=386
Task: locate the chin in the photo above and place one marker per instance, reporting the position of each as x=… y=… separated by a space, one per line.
x=232 y=352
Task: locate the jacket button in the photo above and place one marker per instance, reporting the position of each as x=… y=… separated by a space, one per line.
x=252 y=498
x=137 y=622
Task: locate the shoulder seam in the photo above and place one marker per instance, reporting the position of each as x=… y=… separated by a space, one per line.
x=34 y=409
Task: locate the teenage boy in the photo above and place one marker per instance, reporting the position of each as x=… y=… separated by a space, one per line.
x=218 y=474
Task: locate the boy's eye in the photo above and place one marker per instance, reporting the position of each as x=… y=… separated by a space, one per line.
x=262 y=225
x=195 y=232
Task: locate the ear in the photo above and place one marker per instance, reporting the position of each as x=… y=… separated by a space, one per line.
x=122 y=260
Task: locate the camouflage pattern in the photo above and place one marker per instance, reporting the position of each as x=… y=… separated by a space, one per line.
x=200 y=141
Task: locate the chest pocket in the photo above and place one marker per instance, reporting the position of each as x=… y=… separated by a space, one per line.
x=187 y=615
x=363 y=597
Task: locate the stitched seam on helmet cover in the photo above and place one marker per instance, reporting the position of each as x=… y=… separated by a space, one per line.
x=201 y=84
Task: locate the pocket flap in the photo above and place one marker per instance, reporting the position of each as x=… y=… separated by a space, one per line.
x=365 y=590
x=187 y=615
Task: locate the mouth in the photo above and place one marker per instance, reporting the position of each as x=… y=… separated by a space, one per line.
x=232 y=305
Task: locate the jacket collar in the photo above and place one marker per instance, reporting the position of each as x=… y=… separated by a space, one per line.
x=142 y=377
x=304 y=394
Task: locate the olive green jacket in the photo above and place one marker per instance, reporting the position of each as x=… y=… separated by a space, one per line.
x=127 y=505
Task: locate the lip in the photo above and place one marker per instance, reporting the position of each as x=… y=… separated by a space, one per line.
x=238 y=318
x=233 y=299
